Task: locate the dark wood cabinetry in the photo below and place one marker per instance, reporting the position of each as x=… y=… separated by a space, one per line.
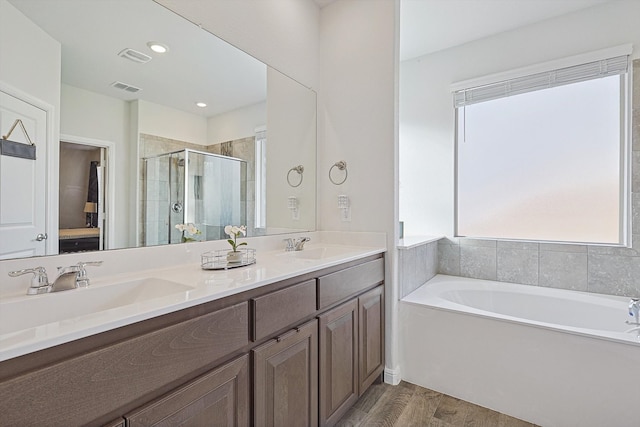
x=219 y=398
x=317 y=342
x=283 y=308
x=285 y=373
x=371 y=336
x=351 y=352
x=338 y=361
x=98 y=382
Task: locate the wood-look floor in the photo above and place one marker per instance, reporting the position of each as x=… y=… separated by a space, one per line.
x=408 y=405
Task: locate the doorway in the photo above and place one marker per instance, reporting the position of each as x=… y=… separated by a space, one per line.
x=82 y=196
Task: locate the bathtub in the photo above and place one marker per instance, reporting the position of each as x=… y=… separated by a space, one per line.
x=548 y=356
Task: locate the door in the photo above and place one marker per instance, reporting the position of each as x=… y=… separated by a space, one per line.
x=338 y=361
x=286 y=379
x=371 y=336
x=23 y=205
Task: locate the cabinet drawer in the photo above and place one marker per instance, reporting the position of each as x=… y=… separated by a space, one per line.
x=123 y=372
x=221 y=397
x=345 y=283
x=277 y=310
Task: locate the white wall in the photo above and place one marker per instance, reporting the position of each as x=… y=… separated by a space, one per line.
x=167 y=122
x=356 y=123
x=236 y=124
x=37 y=73
x=426 y=111
x=36 y=77
x=98 y=117
x=291 y=141
x=280 y=33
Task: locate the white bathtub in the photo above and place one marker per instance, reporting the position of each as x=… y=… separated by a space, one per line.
x=548 y=356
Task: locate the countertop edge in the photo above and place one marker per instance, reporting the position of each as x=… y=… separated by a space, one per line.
x=57 y=333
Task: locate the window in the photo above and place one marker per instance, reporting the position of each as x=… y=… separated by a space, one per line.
x=543 y=157
x=261 y=178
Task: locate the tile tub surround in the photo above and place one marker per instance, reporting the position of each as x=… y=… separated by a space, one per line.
x=587 y=268
x=590 y=268
x=417 y=262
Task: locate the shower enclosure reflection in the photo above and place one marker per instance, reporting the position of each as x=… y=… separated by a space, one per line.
x=192 y=187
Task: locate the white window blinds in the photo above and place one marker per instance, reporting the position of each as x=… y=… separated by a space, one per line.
x=562 y=76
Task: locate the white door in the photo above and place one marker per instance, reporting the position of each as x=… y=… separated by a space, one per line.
x=22 y=182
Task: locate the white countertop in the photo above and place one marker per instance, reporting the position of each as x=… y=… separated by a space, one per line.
x=203 y=286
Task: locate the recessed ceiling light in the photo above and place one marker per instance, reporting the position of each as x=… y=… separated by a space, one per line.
x=201 y=104
x=158 y=47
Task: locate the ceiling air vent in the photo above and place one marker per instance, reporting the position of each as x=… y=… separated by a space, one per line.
x=125 y=87
x=134 y=55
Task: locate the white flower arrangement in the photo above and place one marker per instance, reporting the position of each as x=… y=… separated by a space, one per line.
x=234 y=231
x=189 y=229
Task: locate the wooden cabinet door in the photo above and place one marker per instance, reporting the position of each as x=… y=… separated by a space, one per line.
x=338 y=361
x=219 y=398
x=371 y=336
x=286 y=379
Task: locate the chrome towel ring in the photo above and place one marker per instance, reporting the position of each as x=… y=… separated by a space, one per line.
x=300 y=170
x=341 y=165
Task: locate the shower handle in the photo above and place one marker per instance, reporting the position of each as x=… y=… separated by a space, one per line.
x=176 y=207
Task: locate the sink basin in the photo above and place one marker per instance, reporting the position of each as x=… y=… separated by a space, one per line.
x=317 y=253
x=31 y=311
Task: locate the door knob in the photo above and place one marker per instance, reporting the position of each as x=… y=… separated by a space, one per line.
x=42 y=236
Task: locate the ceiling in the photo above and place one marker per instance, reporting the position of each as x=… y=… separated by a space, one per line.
x=197 y=67
x=427 y=26
x=92 y=32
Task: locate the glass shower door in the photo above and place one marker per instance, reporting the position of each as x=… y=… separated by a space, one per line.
x=216 y=188
x=191 y=187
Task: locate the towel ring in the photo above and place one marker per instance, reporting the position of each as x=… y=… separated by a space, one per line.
x=341 y=165
x=300 y=170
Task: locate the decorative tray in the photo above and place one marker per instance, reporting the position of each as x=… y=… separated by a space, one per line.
x=221 y=260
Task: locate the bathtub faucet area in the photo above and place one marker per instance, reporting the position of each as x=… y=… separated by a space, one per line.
x=634 y=310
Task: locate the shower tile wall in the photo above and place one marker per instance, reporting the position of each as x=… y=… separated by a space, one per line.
x=156 y=210
x=152 y=145
x=600 y=269
x=244 y=149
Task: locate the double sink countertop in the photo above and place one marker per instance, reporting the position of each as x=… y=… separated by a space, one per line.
x=32 y=323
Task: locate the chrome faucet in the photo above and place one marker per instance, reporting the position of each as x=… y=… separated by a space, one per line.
x=295 y=244
x=68 y=278
x=82 y=280
x=634 y=310
x=39 y=281
x=299 y=243
x=289 y=246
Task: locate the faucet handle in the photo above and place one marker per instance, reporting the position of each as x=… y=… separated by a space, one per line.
x=82 y=279
x=299 y=243
x=39 y=281
x=290 y=245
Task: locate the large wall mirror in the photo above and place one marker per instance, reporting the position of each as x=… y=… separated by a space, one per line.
x=200 y=134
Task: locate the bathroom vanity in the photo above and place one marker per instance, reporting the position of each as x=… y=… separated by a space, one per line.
x=297 y=351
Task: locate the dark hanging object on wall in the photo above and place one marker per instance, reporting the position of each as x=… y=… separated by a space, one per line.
x=17 y=149
x=92 y=194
